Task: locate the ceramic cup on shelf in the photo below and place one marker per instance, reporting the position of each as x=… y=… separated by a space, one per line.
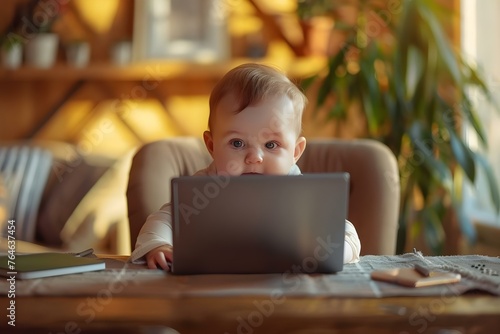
x=78 y=54
x=41 y=50
x=121 y=53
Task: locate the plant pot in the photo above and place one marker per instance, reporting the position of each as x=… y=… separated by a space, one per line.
x=12 y=57
x=317 y=33
x=41 y=51
x=121 y=53
x=78 y=54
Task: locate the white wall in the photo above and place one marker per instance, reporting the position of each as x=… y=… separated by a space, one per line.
x=481 y=41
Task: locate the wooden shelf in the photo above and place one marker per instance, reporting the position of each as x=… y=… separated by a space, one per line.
x=158 y=70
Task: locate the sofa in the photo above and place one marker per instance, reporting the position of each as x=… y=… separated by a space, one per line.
x=63 y=197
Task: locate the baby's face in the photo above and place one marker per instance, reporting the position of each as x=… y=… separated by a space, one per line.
x=261 y=139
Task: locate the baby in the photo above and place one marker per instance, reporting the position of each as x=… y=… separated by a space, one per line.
x=254 y=127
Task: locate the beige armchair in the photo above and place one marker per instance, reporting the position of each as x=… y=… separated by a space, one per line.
x=374 y=191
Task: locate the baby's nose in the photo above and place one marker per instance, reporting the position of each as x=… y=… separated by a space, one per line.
x=254 y=156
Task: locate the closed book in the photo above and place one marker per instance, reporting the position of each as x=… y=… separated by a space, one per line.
x=29 y=266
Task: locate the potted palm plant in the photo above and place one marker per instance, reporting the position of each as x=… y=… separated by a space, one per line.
x=398 y=67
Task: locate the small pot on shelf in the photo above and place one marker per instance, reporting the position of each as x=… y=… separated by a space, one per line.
x=78 y=53
x=11 y=52
x=41 y=50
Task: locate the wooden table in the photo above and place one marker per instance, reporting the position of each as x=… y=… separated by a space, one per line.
x=107 y=312
x=466 y=314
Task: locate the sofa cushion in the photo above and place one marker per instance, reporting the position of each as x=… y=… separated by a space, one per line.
x=100 y=219
x=25 y=169
x=72 y=175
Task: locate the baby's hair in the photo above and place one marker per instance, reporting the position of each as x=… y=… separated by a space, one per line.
x=251 y=83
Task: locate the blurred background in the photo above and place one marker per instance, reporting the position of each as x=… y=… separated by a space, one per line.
x=145 y=97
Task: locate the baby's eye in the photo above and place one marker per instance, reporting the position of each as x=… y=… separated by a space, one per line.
x=271 y=145
x=237 y=143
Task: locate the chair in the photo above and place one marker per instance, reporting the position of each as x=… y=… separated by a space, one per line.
x=374 y=189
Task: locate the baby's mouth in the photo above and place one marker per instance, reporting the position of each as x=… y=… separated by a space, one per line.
x=251 y=173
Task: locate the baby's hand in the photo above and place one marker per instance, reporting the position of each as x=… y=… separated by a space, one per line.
x=161 y=256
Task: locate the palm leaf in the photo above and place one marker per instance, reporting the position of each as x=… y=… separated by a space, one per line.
x=433 y=228
x=462 y=154
x=440 y=172
x=472 y=117
x=466 y=225
x=442 y=43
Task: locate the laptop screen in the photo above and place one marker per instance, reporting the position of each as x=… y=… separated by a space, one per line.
x=259 y=224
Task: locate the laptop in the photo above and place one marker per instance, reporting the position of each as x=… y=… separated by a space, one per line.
x=259 y=224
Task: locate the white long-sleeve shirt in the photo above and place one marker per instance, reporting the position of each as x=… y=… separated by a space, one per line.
x=157 y=230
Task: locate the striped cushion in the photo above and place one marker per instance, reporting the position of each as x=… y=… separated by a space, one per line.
x=25 y=170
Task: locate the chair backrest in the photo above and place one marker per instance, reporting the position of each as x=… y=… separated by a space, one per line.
x=374 y=190
x=374 y=193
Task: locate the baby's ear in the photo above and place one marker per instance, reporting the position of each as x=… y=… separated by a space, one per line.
x=300 y=146
x=209 y=142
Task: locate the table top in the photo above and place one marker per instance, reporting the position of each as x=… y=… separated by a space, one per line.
x=109 y=309
x=477 y=313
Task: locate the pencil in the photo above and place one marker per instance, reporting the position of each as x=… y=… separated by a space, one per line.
x=85 y=252
x=422 y=270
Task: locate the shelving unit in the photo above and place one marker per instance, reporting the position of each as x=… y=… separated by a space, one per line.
x=157 y=80
x=32 y=97
x=159 y=70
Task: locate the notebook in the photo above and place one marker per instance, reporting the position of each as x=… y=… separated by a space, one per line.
x=29 y=266
x=259 y=224
x=412 y=278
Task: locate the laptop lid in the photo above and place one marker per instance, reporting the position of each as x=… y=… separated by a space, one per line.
x=259 y=224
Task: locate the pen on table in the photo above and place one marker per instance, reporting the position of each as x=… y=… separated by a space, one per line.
x=422 y=270
x=85 y=252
